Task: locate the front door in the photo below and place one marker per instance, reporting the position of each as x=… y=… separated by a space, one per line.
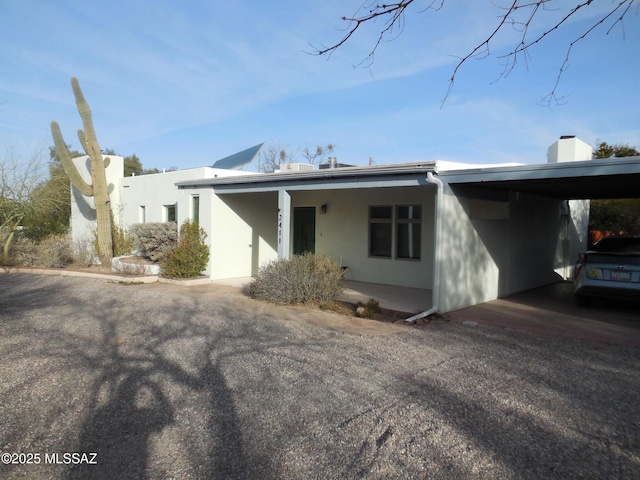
x=304 y=230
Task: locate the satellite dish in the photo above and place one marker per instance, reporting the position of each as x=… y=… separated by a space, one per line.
x=238 y=159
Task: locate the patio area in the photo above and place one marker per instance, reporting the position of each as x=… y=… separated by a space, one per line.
x=400 y=299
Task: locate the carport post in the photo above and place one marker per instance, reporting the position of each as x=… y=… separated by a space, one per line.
x=284 y=223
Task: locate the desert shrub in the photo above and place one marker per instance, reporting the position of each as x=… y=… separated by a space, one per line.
x=369 y=309
x=301 y=279
x=54 y=252
x=84 y=252
x=23 y=251
x=122 y=240
x=154 y=240
x=190 y=256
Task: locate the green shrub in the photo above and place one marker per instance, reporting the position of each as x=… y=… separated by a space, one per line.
x=302 y=279
x=190 y=256
x=154 y=240
x=54 y=252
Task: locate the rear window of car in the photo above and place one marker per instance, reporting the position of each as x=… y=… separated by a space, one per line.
x=618 y=245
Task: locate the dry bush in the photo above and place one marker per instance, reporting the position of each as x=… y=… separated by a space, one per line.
x=154 y=240
x=84 y=252
x=23 y=251
x=302 y=279
x=54 y=251
x=367 y=310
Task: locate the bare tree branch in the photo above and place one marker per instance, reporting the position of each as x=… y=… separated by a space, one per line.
x=520 y=15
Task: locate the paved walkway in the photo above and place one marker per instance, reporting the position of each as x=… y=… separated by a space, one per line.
x=551 y=310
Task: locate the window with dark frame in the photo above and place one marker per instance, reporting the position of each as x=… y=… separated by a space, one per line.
x=195 y=207
x=170 y=213
x=408 y=228
x=395 y=232
x=380 y=231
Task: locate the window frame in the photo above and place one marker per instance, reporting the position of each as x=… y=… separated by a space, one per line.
x=167 y=216
x=195 y=208
x=395 y=223
x=380 y=221
x=411 y=222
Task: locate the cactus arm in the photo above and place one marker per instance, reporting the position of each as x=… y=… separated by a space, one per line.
x=70 y=169
x=88 y=137
x=107 y=161
x=81 y=138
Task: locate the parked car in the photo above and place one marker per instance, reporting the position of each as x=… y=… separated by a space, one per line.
x=611 y=269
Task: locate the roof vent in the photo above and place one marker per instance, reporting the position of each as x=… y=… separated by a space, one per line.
x=295 y=167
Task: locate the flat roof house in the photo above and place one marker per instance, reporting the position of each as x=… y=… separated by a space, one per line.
x=466 y=233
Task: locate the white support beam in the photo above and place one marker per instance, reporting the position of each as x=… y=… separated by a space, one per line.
x=284 y=223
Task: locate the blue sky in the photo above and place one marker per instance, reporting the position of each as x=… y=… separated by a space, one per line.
x=183 y=84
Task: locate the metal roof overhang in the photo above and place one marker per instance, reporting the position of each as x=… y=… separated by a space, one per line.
x=330 y=179
x=591 y=179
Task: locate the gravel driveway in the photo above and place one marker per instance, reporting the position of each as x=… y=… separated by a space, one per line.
x=171 y=382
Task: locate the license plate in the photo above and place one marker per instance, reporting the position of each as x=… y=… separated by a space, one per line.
x=620 y=276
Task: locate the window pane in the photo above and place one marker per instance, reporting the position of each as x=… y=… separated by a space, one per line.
x=409 y=212
x=408 y=240
x=380 y=212
x=171 y=213
x=380 y=240
x=196 y=208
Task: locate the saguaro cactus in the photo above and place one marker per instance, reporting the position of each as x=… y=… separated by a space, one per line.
x=98 y=189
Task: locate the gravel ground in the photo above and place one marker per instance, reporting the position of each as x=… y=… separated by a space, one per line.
x=171 y=382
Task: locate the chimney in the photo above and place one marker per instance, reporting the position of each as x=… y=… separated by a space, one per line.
x=569 y=149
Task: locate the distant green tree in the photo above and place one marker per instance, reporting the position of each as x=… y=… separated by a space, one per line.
x=615 y=215
x=132 y=166
x=605 y=150
x=23 y=195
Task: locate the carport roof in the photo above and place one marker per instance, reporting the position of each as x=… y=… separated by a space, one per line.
x=590 y=179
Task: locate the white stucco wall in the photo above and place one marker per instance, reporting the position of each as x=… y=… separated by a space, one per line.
x=144 y=199
x=343 y=232
x=244 y=233
x=155 y=191
x=83 y=214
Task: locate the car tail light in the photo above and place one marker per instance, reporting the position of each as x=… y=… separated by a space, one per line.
x=579 y=265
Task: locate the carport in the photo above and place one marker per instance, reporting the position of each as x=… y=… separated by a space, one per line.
x=509 y=229
x=550 y=309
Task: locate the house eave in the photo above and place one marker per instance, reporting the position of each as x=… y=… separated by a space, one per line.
x=347 y=177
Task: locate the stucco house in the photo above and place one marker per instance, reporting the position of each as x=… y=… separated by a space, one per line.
x=465 y=233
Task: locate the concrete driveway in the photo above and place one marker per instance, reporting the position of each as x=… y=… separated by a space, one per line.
x=162 y=381
x=551 y=310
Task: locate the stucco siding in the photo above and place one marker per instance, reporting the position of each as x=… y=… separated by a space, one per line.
x=489 y=253
x=343 y=232
x=244 y=233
